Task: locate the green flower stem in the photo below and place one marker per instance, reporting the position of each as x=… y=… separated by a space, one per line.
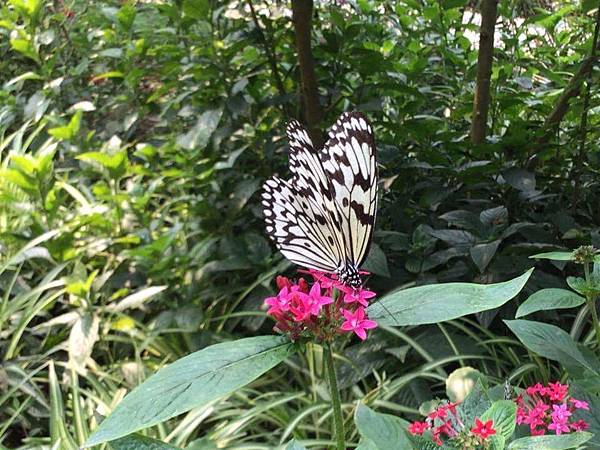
x=591 y=303
x=336 y=403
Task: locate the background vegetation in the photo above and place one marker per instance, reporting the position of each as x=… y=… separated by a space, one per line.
x=134 y=137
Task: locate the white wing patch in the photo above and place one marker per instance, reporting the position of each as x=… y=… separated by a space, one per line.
x=323 y=217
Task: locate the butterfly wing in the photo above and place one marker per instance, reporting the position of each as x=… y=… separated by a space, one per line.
x=349 y=162
x=301 y=216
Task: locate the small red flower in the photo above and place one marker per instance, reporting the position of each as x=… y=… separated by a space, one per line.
x=418 y=428
x=483 y=430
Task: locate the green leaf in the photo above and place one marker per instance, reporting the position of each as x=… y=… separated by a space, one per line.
x=139 y=442
x=387 y=432
x=477 y=402
x=191 y=382
x=555 y=256
x=550 y=342
x=549 y=299
x=114 y=164
x=68 y=131
x=503 y=413
x=376 y=262
x=196 y=9
x=26 y=48
x=562 y=442
x=441 y=302
x=482 y=254
x=294 y=445
x=200 y=133
x=59 y=436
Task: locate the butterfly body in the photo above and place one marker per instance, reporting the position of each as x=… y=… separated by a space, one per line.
x=323 y=217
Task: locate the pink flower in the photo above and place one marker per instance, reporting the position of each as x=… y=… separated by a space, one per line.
x=560 y=412
x=556 y=391
x=283 y=282
x=318 y=300
x=280 y=303
x=536 y=389
x=579 y=404
x=361 y=296
x=303 y=306
x=328 y=281
x=559 y=427
x=483 y=430
x=355 y=321
x=418 y=428
x=538 y=431
x=580 y=425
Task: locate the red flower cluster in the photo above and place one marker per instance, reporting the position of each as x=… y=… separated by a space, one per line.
x=322 y=310
x=549 y=407
x=444 y=422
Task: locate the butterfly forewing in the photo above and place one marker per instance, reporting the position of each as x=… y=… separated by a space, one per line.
x=323 y=217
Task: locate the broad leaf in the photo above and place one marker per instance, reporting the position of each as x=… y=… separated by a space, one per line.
x=139 y=442
x=192 y=382
x=548 y=299
x=385 y=431
x=562 y=442
x=550 y=342
x=503 y=413
x=441 y=302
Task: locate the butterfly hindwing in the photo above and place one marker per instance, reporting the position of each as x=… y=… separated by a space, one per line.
x=349 y=161
x=297 y=234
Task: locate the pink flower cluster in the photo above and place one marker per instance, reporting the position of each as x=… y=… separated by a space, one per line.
x=444 y=423
x=549 y=408
x=322 y=310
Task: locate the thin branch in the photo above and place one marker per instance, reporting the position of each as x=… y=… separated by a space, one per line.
x=301 y=15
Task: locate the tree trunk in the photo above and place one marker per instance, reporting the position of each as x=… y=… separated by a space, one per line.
x=481 y=100
x=301 y=15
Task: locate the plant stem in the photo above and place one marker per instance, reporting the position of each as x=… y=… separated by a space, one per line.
x=591 y=303
x=335 y=399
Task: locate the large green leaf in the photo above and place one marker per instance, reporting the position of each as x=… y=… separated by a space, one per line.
x=441 y=302
x=562 y=442
x=550 y=342
x=139 y=442
x=384 y=431
x=191 y=382
x=547 y=299
x=503 y=414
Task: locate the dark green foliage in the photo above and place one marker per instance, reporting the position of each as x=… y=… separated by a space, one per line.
x=134 y=137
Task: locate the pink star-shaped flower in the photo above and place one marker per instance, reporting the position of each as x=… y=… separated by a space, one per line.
x=355 y=321
x=361 y=296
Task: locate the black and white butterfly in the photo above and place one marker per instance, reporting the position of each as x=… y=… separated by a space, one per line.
x=323 y=217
